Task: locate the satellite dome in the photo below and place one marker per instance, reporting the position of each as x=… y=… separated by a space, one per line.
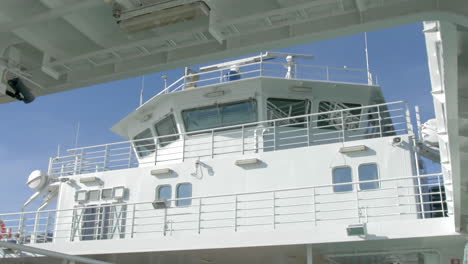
x=37 y=180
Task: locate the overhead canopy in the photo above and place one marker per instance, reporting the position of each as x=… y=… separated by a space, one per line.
x=58 y=45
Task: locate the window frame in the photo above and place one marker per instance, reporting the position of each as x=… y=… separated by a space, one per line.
x=136 y=147
x=331 y=127
x=158 y=191
x=217 y=107
x=350 y=183
x=378 y=177
x=183 y=199
x=169 y=136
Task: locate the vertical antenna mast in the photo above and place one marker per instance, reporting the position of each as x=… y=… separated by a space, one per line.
x=77 y=133
x=370 y=81
x=142 y=89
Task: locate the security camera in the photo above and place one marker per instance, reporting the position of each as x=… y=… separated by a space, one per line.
x=21 y=91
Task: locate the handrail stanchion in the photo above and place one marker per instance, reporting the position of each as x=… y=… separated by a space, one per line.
x=408 y=119
x=328 y=73
x=441 y=197
x=106 y=154
x=133 y=220
x=183 y=147
x=130 y=156
x=274 y=209
x=243 y=140
x=314 y=205
x=199 y=214
x=165 y=221
x=380 y=122
x=212 y=143
x=308 y=130
x=235 y=213
x=342 y=126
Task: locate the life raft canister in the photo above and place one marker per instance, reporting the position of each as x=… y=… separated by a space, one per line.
x=3 y=230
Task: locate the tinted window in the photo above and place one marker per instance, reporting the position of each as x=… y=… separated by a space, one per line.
x=166 y=126
x=184 y=190
x=368 y=172
x=164 y=192
x=342 y=175
x=284 y=108
x=334 y=119
x=220 y=115
x=144 y=143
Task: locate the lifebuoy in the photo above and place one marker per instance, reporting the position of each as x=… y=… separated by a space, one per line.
x=3 y=229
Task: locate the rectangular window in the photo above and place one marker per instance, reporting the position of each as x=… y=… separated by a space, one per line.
x=103 y=222
x=332 y=118
x=220 y=115
x=166 y=126
x=164 y=192
x=342 y=175
x=283 y=108
x=368 y=172
x=184 y=190
x=144 y=143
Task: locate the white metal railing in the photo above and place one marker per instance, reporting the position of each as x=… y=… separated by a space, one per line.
x=344 y=125
x=269 y=68
x=394 y=199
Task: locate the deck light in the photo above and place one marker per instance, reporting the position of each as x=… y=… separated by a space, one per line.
x=160 y=204
x=89 y=180
x=356 y=230
x=357 y=148
x=214 y=94
x=81 y=196
x=159 y=172
x=119 y=192
x=247 y=162
x=301 y=89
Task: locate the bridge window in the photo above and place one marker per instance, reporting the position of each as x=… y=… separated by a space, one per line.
x=334 y=113
x=164 y=192
x=368 y=172
x=165 y=127
x=342 y=175
x=105 y=222
x=144 y=143
x=283 y=108
x=220 y=115
x=184 y=190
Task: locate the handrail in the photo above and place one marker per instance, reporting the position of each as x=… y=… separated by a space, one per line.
x=240 y=126
x=262 y=72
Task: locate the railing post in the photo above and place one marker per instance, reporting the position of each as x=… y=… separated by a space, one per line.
x=380 y=121
x=33 y=235
x=441 y=196
x=274 y=210
x=342 y=126
x=133 y=221
x=261 y=64
x=408 y=119
x=328 y=73
x=47 y=226
x=314 y=205
x=130 y=156
x=308 y=130
x=199 y=214
x=212 y=143
x=75 y=168
x=243 y=140
x=183 y=147
x=357 y=202
x=165 y=221
x=274 y=135
x=21 y=226
x=235 y=213
x=106 y=152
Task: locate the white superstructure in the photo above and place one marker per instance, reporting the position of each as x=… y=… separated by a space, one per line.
x=259 y=160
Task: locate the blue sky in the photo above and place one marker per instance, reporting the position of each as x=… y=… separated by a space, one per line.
x=30 y=133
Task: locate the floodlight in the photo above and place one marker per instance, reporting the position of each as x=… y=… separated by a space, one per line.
x=357 y=148
x=81 y=196
x=159 y=172
x=119 y=192
x=246 y=162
